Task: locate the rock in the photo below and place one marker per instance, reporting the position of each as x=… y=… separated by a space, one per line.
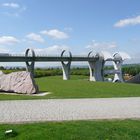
x=19 y=82
x=135 y=79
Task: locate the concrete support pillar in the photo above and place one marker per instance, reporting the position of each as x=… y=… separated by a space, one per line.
x=96 y=67
x=66 y=71
x=91 y=71
x=98 y=70
x=30 y=63
x=118 y=77
x=66 y=67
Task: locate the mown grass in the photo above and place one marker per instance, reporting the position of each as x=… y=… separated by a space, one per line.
x=74 y=130
x=79 y=87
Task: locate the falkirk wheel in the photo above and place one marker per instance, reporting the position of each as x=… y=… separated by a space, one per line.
x=96 y=63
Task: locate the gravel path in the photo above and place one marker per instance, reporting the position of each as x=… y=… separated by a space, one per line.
x=69 y=109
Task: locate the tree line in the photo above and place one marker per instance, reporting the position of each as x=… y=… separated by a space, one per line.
x=41 y=72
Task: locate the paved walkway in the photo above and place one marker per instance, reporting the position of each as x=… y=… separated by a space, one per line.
x=69 y=109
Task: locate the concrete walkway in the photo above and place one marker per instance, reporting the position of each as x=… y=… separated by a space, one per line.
x=69 y=109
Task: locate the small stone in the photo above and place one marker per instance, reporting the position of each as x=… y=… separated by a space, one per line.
x=8 y=132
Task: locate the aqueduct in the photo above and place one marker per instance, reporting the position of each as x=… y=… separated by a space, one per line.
x=96 y=63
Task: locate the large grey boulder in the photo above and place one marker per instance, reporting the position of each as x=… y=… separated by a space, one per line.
x=18 y=82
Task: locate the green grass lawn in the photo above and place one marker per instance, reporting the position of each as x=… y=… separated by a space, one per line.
x=79 y=87
x=74 y=130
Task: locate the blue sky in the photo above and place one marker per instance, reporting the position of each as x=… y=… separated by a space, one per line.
x=49 y=26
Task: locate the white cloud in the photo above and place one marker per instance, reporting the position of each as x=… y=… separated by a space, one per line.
x=107 y=54
x=107 y=49
x=11 y=5
x=35 y=37
x=54 y=33
x=101 y=45
x=8 y=40
x=13 y=9
x=3 y=50
x=52 y=50
x=124 y=55
x=128 y=21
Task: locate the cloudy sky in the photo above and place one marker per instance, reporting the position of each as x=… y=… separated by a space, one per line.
x=49 y=26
